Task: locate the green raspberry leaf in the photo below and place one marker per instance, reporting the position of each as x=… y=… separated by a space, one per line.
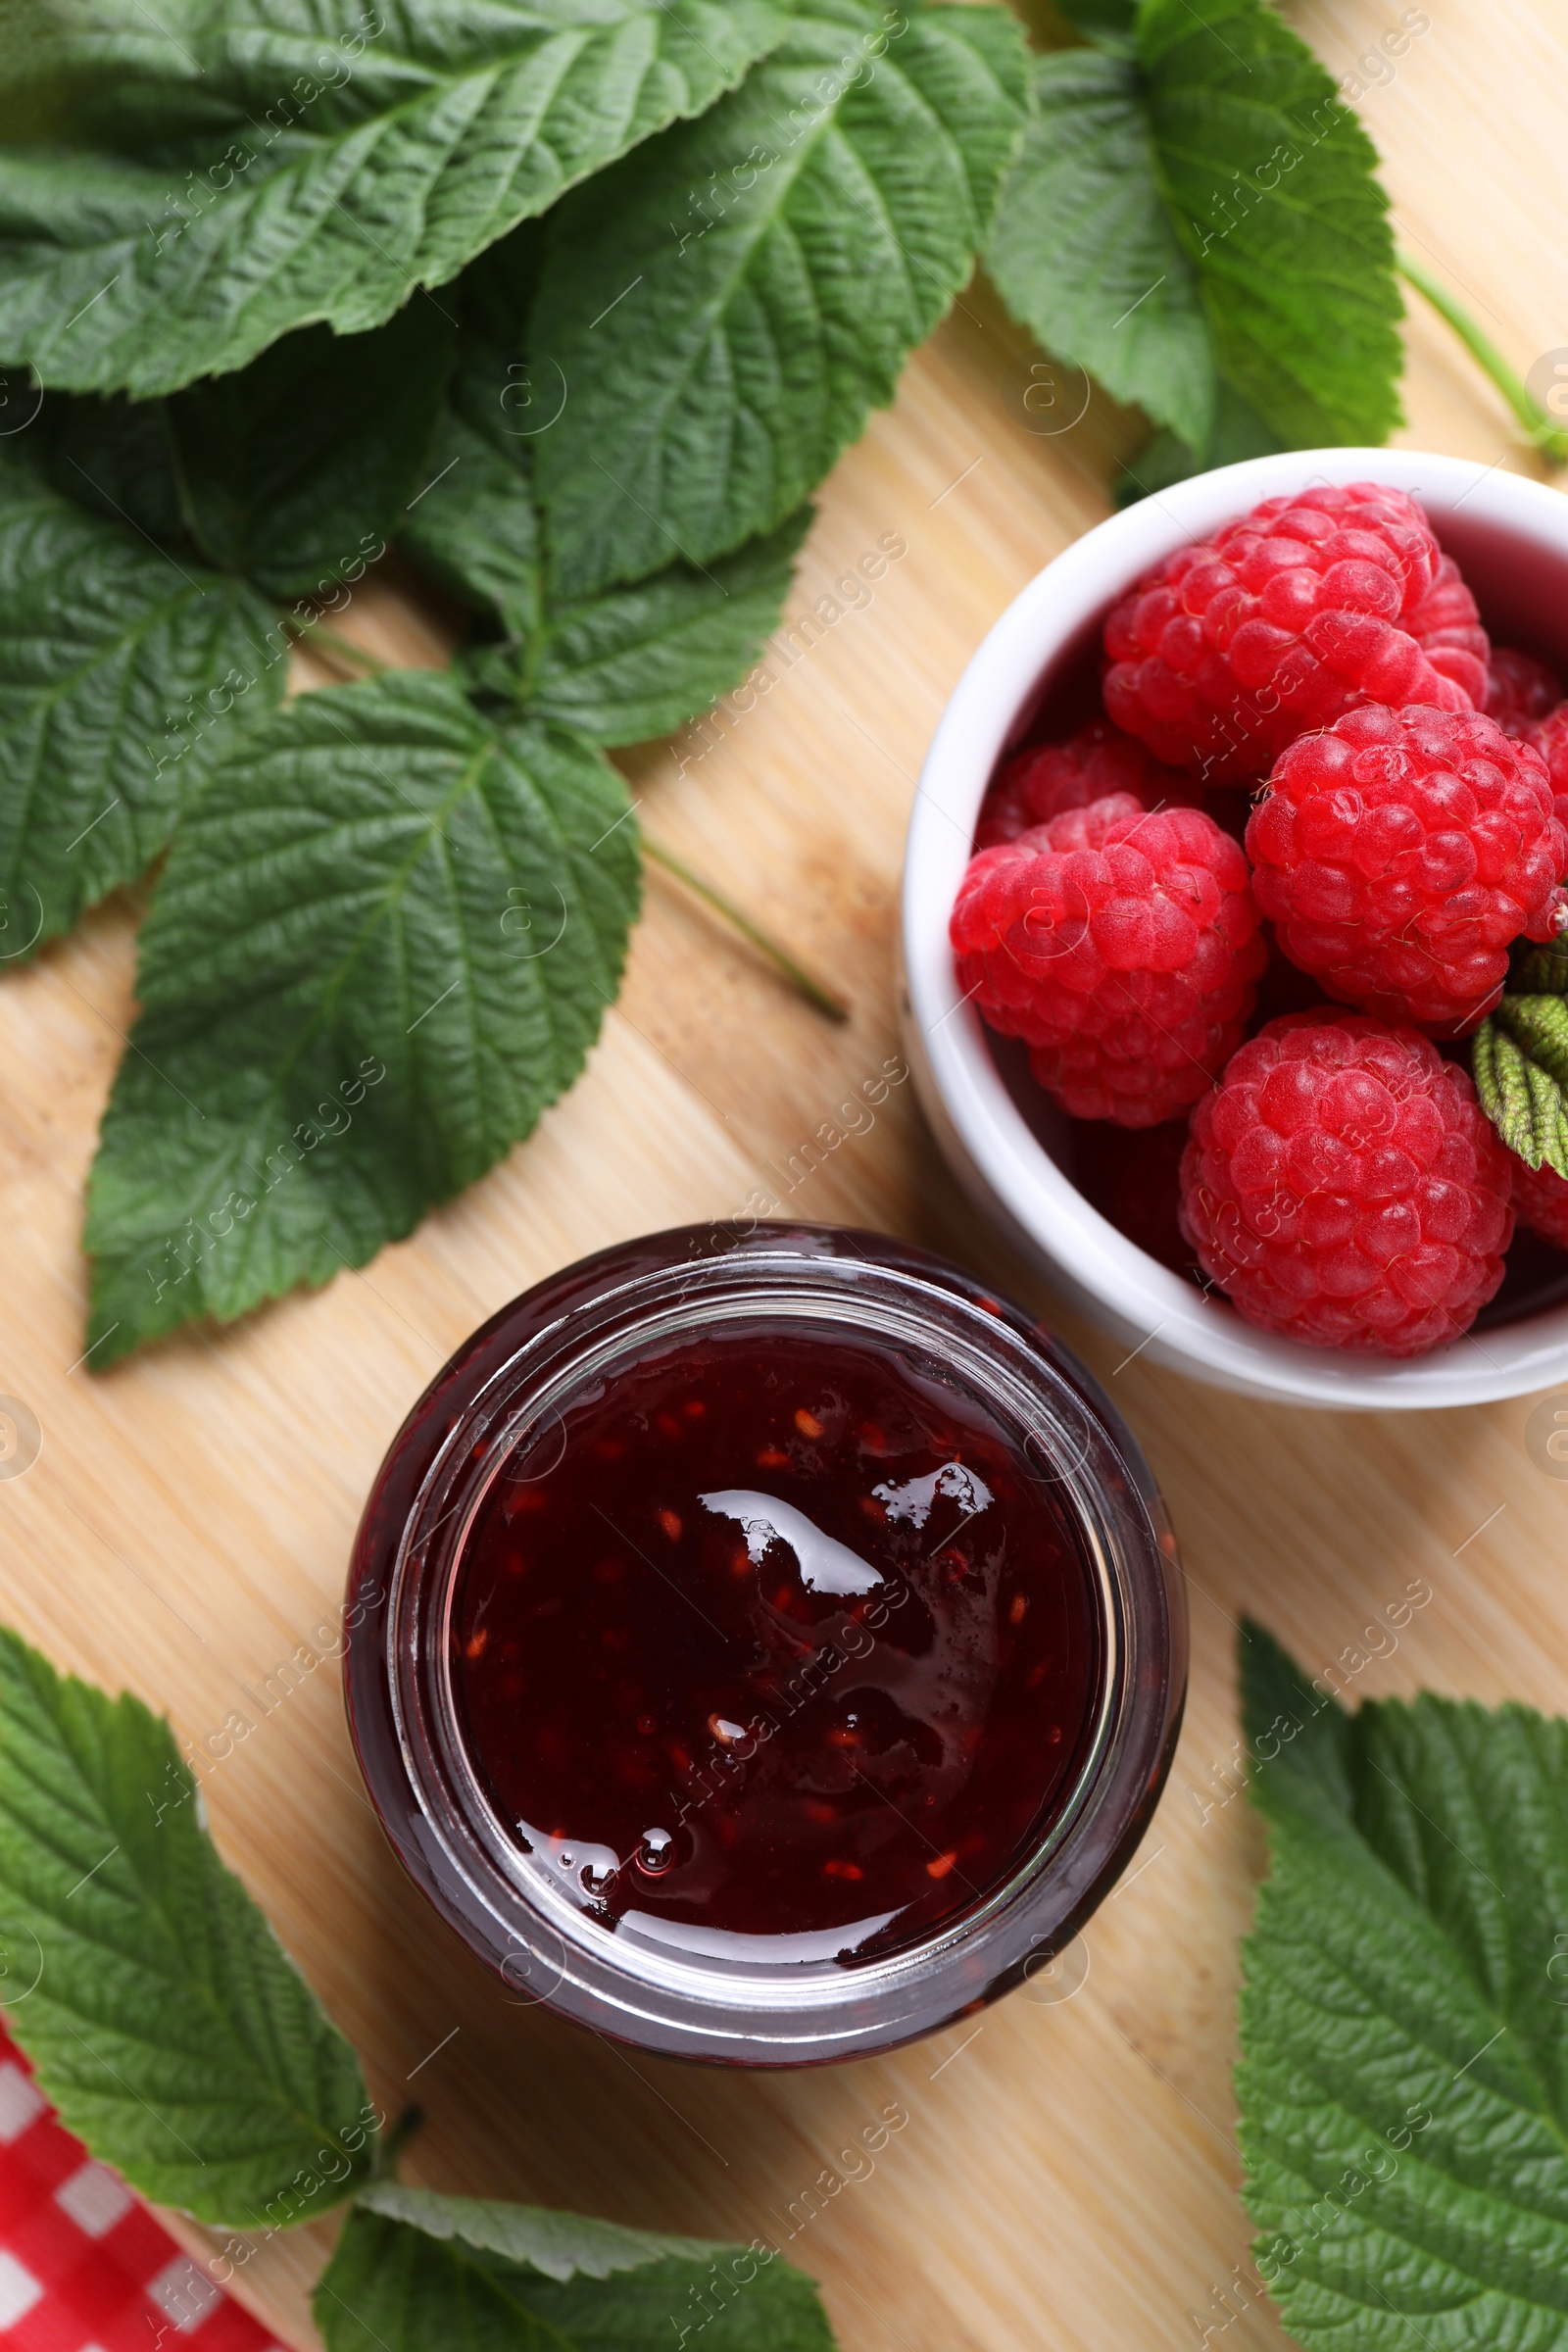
x=125 y=675
x=1237 y=432
x=1296 y=269
x=1542 y=971
x=294 y=471
x=1520 y=1058
x=1086 y=253
x=728 y=304
x=622 y=666
x=166 y=2021
x=413 y=2269
x=1403 y=2080
x=1215 y=167
x=384 y=941
x=477 y=529
x=1111 y=23
x=278 y=166
x=639 y=662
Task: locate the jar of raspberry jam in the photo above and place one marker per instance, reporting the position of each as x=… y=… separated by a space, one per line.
x=764 y=1646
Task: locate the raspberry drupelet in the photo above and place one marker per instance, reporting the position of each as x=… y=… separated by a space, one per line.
x=1122 y=947
x=1401 y=853
x=1300 y=611
x=1039 y=783
x=1344 y=1188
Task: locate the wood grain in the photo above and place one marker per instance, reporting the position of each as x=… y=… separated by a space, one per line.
x=1067 y=2176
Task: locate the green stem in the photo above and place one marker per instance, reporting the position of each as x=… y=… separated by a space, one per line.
x=813 y=990
x=315 y=632
x=1548 y=437
x=397 y=2140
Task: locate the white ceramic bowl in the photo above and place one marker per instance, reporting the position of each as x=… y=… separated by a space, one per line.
x=1511 y=537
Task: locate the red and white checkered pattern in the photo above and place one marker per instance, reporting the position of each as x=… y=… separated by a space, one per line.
x=84 y=2264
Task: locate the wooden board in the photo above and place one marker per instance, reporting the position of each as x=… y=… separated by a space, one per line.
x=1066 y=2178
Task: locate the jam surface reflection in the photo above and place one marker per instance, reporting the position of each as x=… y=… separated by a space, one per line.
x=777 y=1639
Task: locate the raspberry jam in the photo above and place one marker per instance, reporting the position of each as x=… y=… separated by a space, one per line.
x=764 y=1646
x=830 y=1705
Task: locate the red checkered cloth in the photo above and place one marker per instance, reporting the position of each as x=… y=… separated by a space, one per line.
x=84 y=2264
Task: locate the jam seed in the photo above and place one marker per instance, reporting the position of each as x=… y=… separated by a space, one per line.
x=877 y=1512
x=1035 y=1676
x=1020 y=1604
x=841 y=1870
x=770 y=1459
x=669 y=1521
x=475 y=1647
x=647 y=1726
x=694 y=1408
x=723 y=1728
x=808 y=1424
x=940 y=1868
x=666 y=1425
x=741 y=1562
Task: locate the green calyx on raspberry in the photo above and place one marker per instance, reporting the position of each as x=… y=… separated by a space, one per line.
x=1520 y=1060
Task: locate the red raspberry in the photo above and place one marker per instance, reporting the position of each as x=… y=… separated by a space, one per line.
x=1401 y=852
x=1344 y=1187
x=1520 y=690
x=1038 y=784
x=1447 y=625
x=1550 y=739
x=1540 y=1202
x=1307 y=607
x=1122 y=947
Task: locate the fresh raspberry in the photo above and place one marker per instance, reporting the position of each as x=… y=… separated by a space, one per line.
x=1446 y=626
x=1121 y=946
x=1540 y=1201
x=1550 y=739
x=1401 y=851
x=1520 y=690
x=1307 y=607
x=1344 y=1187
x=1038 y=784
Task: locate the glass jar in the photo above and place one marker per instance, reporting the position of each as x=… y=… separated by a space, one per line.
x=936 y=1708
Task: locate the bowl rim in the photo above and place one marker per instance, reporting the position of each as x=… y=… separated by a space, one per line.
x=984 y=1134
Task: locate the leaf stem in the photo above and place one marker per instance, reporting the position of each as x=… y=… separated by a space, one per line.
x=1552 y=439
x=342 y=649
x=396 y=2141
x=817 y=994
